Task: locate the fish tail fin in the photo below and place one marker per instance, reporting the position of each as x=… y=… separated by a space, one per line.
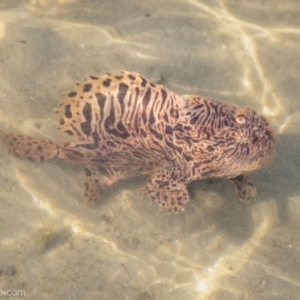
x=31 y=148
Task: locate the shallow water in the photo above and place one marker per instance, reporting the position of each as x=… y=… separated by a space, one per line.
x=55 y=246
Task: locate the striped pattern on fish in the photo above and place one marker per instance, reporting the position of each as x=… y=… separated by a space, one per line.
x=124 y=125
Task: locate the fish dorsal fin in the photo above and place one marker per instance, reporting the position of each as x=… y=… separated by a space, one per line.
x=192 y=100
x=82 y=109
x=196 y=99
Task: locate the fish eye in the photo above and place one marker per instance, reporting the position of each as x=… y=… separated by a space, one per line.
x=240 y=119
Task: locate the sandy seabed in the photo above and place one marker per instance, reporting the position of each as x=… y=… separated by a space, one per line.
x=55 y=246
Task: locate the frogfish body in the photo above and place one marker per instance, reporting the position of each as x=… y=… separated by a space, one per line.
x=125 y=125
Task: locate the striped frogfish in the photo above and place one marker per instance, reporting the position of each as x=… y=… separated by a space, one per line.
x=124 y=125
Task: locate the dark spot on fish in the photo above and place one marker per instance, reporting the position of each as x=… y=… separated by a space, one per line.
x=88 y=173
x=187 y=157
x=143 y=133
x=106 y=82
x=68 y=112
x=87 y=87
x=144 y=81
x=39 y=148
x=169 y=130
x=72 y=94
x=174 y=113
x=210 y=148
x=110 y=144
x=179 y=127
x=69 y=132
x=131 y=77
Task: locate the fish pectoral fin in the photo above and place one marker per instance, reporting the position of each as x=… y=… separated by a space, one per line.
x=97 y=180
x=168 y=188
x=244 y=188
x=92 y=185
